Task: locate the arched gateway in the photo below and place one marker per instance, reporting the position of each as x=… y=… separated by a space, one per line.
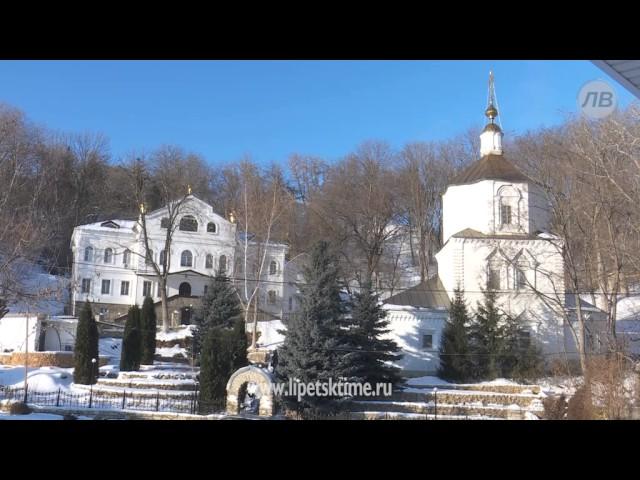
x=254 y=376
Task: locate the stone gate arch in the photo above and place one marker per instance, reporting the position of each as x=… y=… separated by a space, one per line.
x=262 y=379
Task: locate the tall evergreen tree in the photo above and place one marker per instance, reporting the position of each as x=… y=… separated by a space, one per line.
x=455 y=361
x=369 y=362
x=86 y=348
x=214 y=371
x=521 y=359
x=315 y=343
x=487 y=338
x=131 y=341
x=220 y=308
x=148 y=328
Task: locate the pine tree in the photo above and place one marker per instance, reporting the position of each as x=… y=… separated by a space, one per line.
x=86 y=348
x=315 y=345
x=370 y=362
x=148 y=330
x=131 y=341
x=220 y=308
x=487 y=338
x=455 y=362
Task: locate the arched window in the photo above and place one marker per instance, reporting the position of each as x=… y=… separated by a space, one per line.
x=222 y=265
x=211 y=227
x=163 y=254
x=88 y=254
x=186 y=259
x=494 y=272
x=126 y=257
x=108 y=255
x=508 y=207
x=273 y=267
x=184 y=290
x=209 y=261
x=188 y=223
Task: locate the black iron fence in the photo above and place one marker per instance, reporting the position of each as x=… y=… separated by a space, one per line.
x=101 y=400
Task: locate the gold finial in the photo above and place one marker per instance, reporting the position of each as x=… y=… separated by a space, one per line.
x=188 y=189
x=232 y=218
x=142 y=208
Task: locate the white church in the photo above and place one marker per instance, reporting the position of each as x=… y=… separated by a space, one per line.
x=495 y=235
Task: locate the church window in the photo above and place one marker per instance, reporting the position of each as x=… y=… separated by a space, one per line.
x=505 y=214
x=188 y=223
x=186 y=259
x=88 y=254
x=493 y=280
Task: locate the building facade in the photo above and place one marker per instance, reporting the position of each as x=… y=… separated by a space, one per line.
x=113 y=269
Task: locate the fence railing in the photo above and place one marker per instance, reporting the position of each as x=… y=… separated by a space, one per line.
x=101 y=400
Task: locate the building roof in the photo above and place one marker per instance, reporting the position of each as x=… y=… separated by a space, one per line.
x=471 y=233
x=626 y=72
x=490 y=167
x=428 y=294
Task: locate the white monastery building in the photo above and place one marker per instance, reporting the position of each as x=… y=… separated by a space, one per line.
x=111 y=266
x=495 y=235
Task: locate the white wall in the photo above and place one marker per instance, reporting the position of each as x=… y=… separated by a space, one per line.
x=406 y=325
x=13 y=332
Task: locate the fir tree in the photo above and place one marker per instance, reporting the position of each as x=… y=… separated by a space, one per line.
x=487 y=338
x=370 y=362
x=521 y=359
x=86 y=348
x=224 y=350
x=131 y=341
x=148 y=330
x=455 y=362
x=214 y=370
x=220 y=308
x=315 y=344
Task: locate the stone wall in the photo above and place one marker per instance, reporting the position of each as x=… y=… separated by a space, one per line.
x=44 y=359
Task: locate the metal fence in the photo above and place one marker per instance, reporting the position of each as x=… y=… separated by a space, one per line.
x=101 y=400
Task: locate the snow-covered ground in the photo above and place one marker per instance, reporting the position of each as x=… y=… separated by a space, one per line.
x=30 y=416
x=179 y=334
x=269 y=337
x=171 y=352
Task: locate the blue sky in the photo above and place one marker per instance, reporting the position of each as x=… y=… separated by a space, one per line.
x=271 y=109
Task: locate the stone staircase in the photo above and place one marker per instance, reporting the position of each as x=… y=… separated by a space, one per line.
x=455 y=402
x=168 y=384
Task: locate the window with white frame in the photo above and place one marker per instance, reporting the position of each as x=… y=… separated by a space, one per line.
x=126 y=257
x=162 y=258
x=146 y=288
x=106 y=287
x=273 y=267
x=88 y=254
x=86 y=285
x=209 y=261
x=124 y=287
x=108 y=255
x=186 y=259
x=188 y=223
x=222 y=265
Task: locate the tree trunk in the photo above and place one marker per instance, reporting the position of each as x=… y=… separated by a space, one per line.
x=165 y=306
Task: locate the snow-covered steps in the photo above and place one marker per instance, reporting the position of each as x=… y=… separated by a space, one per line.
x=452 y=396
x=160 y=375
x=166 y=366
x=149 y=383
x=372 y=415
x=112 y=391
x=488 y=387
x=445 y=410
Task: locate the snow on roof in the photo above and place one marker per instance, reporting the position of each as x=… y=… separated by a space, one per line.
x=628 y=308
x=109 y=225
